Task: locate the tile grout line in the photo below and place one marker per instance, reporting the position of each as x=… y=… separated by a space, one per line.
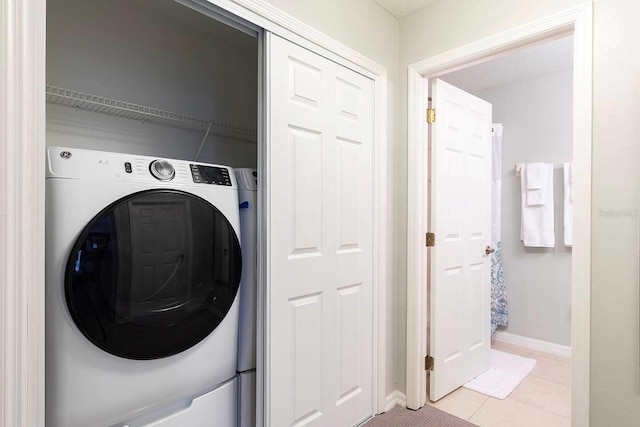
x=531 y=352
x=539 y=407
x=543 y=409
x=529 y=355
x=544 y=379
x=483 y=403
x=547 y=379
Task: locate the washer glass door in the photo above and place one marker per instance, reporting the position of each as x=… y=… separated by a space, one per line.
x=153 y=274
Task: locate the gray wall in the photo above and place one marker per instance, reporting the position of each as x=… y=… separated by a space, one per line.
x=537 y=119
x=155 y=53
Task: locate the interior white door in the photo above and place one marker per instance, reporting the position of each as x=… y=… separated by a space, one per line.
x=460 y=279
x=320 y=218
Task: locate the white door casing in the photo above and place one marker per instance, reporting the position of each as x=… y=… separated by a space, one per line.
x=577 y=20
x=319 y=350
x=460 y=285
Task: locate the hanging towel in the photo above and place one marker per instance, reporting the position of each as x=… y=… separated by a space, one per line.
x=499 y=312
x=537 y=177
x=571 y=175
x=537 y=223
x=568 y=204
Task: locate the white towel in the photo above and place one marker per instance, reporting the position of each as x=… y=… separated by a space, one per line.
x=571 y=177
x=537 y=224
x=535 y=175
x=568 y=204
x=537 y=182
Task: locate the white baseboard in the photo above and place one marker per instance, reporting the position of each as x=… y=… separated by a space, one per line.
x=533 y=344
x=395 y=399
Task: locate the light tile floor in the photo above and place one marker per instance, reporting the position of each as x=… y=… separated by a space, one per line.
x=542 y=399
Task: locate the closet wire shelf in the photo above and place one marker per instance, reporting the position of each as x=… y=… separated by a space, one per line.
x=146 y=114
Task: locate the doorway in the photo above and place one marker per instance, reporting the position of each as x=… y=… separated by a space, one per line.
x=530 y=94
x=576 y=22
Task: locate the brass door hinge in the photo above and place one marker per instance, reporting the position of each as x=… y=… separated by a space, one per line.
x=431 y=239
x=431 y=115
x=428 y=363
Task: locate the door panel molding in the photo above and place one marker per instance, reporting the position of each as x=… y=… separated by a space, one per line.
x=577 y=21
x=460 y=285
x=319 y=284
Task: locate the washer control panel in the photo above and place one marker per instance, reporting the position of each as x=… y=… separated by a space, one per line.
x=76 y=163
x=210 y=175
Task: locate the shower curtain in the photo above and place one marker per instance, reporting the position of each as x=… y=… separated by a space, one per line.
x=499 y=312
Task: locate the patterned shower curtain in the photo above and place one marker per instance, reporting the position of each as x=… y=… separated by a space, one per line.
x=499 y=312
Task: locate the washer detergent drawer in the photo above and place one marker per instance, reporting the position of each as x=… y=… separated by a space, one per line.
x=216 y=408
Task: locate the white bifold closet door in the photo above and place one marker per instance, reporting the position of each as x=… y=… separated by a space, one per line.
x=319 y=355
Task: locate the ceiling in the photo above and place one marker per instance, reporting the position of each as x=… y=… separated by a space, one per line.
x=400 y=8
x=525 y=63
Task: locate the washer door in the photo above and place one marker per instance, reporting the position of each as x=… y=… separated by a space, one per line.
x=153 y=274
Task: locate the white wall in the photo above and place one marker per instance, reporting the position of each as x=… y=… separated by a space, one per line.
x=537 y=118
x=158 y=54
x=370 y=30
x=615 y=390
x=615 y=325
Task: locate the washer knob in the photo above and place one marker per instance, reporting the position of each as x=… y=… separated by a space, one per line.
x=162 y=170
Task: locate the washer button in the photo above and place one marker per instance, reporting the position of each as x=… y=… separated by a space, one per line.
x=162 y=170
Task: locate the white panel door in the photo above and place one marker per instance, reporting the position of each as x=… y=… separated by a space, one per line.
x=460 y=337
x=320 y=299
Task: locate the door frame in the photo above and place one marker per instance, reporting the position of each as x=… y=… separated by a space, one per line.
x=22 y=194
x=577 y=21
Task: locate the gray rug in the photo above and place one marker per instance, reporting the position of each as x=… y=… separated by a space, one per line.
x=427 y=416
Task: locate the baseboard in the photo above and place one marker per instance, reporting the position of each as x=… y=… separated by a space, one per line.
x=395 y=399
x=534 y=344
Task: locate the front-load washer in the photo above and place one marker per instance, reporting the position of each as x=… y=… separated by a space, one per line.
x=143 y=265
x=248 y=198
